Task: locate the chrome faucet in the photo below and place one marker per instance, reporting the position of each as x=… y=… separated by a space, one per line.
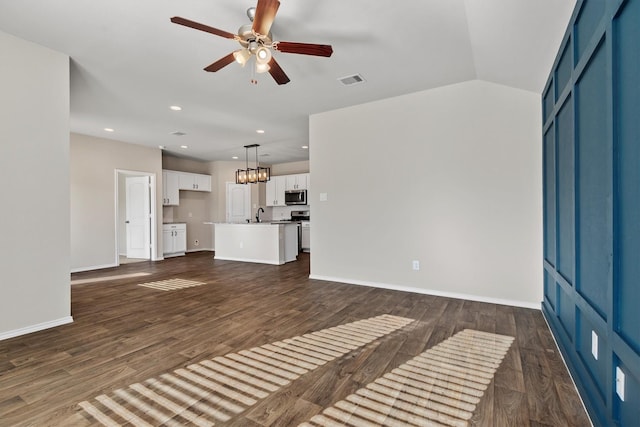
x=258 y=214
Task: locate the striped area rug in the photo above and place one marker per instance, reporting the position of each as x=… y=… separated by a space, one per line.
x=440 y=387
x=171 y=284
x=216 y=390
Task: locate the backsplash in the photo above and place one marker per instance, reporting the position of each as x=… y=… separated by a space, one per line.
x=277 y=213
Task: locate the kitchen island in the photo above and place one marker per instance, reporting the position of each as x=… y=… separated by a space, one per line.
x=261 y=242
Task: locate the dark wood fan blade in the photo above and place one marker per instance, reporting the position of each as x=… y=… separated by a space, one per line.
x=305 y=48
x=277 y=73
x=265 y=14
x=220 y=63
x=202 y=27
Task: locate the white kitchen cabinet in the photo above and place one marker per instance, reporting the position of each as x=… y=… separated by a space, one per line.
x=170 y=187
x=174 y=239
x=296 y=182
x=195 y=182
x=275 y=191
x=305 y=245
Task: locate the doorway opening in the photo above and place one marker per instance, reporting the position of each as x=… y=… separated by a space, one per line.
x=136 y=225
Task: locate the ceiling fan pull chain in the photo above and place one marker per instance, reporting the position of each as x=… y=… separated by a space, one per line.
x=254 y=80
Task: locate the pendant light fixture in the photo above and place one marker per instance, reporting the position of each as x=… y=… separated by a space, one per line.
x=252 y=175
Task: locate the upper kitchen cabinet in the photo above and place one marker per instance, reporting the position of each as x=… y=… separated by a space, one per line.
x=195 y=182
x=275 y=191
x=297 y=182
x=170 y=187
x=174 y=181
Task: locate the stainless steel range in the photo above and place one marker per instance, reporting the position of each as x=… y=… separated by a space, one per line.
x=302 y=218
x=299 y=215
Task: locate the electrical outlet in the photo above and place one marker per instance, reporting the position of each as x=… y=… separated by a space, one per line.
x=416 y=265
x=190 y=215
x=196 y=242
x=594 y=344
x=620 y=383
x=241 y=245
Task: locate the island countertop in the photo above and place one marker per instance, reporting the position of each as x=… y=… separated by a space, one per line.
x=261 y=242
x=259 y=223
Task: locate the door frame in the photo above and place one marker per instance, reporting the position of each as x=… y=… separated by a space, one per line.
x=153 y=235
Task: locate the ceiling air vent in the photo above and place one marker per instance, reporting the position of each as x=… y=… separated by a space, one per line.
x=351 y=80
x=178 y=133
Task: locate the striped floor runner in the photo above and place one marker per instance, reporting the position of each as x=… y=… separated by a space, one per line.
x=218 y=389
x=440 y=387
x=171 y=284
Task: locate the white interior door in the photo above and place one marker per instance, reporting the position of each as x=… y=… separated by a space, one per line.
x=138 y=220
x=238 y=202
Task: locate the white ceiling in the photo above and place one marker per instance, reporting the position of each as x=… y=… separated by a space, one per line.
x=129 y=63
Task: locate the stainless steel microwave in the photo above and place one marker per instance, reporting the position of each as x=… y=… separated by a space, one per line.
x=295 y=197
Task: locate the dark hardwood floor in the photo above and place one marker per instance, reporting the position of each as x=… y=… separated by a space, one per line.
x=260 y=345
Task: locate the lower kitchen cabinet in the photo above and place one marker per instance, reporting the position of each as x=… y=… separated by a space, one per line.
x=174 y=239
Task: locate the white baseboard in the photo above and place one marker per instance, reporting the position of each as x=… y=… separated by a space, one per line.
x=256 y=261
x=93 y=267
x=35 y=328
x=523 y=304
x=200 y=250
x=173 y=254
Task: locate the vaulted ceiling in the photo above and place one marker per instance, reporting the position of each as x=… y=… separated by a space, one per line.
x=129 y=64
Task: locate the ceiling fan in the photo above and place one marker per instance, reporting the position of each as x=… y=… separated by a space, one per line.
x=256 y=41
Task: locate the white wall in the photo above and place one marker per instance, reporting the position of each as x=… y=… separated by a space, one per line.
x=290 y=168
x=93 y=181
x=450 y=177
x=34 y=163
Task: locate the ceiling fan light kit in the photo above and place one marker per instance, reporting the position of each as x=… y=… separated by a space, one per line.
x=242 y=56
x=262 y=68
x=256 y=40
x=263 y=55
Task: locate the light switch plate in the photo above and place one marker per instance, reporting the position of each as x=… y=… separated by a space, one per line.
x=323 y=197
x=620 y=383
x=594 y=344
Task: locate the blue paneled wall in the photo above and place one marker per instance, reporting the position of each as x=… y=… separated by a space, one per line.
x=591 y=146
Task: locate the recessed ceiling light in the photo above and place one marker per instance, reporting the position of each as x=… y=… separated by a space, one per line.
x=178 y=133
x=184 y=146
x=108 y=130
x=305 y=147
x=260 y=131
x=176 y=108
x=235 y=157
